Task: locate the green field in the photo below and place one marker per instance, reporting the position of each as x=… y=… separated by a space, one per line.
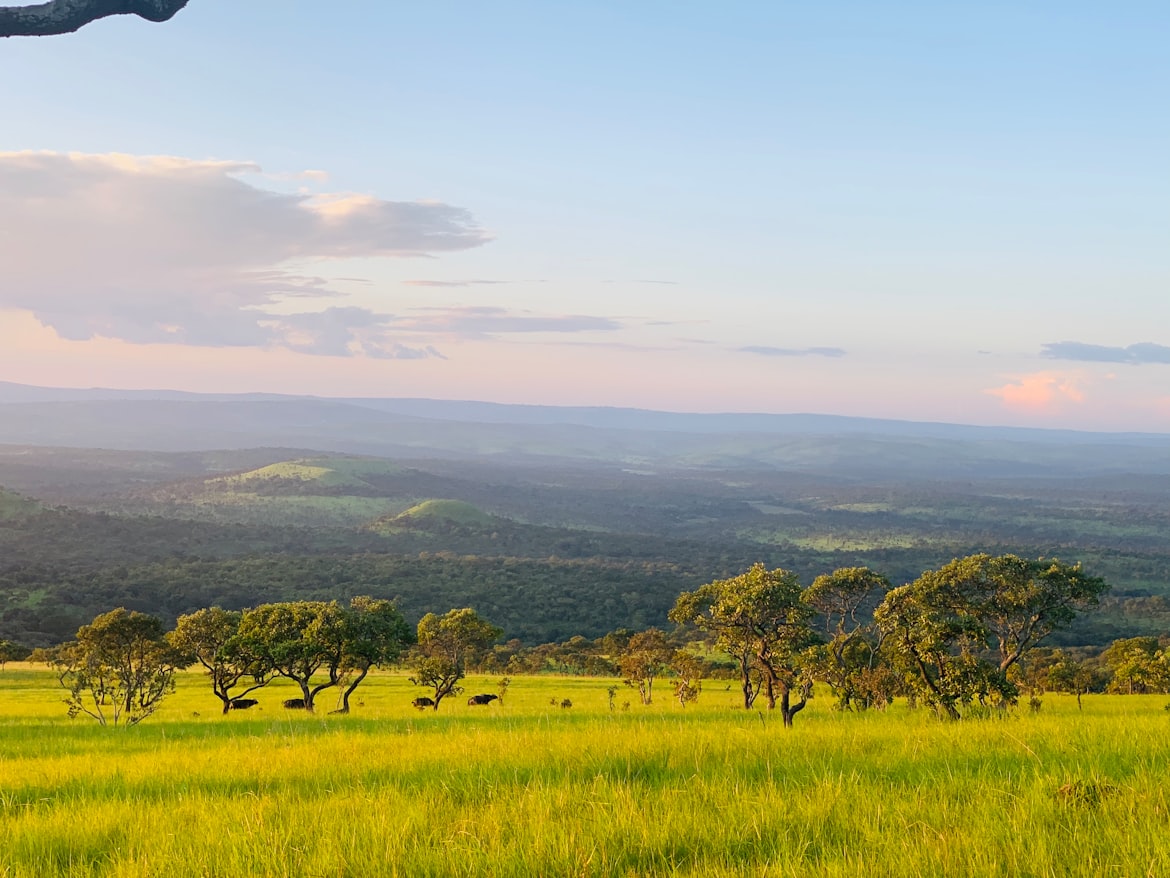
x=530 y=789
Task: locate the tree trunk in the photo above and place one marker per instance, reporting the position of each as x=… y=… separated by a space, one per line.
x=947 y=707
x=306 y=695
x=749 y=691
x=349 y=691
x=789 y=711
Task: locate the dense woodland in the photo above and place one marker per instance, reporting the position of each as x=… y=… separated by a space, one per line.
x=547 y=551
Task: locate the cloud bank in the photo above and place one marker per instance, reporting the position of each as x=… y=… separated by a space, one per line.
x=1135 y=354
x=163 y=249
x=765 y=351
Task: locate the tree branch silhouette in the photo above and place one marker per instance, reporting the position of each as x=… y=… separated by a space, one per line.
x=67 y=16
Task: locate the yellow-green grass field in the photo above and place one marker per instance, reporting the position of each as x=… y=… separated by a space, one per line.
x=525 y=788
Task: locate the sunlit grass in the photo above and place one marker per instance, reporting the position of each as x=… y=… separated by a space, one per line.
x=531 y=789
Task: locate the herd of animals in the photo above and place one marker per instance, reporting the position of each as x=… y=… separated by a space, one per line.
x=420 y=703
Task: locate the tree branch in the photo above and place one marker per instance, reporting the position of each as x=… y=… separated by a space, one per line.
x=67 y=16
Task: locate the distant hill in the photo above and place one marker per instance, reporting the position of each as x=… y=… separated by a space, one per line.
x=330 y=473
x=642 y=441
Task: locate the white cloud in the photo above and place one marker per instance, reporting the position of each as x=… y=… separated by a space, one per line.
x=165 y=249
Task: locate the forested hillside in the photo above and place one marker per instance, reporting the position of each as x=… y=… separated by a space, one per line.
x=545 y=549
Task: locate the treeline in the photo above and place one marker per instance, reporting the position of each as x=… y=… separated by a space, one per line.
x=535 y=600
x=964 y=634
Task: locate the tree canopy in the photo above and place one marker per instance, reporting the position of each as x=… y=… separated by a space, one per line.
x=119 y=669
x=761 y=619
x=959 y=629
x=447 y=644
x=211 y=637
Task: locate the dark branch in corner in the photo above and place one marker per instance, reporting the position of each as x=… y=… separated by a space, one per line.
x=66 y=16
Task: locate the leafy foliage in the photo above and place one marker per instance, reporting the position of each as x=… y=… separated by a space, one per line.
x=646 y=656
x=761 y=619
x=119 y=669
x=212 y=638
x=447 y=645
x=959 y=629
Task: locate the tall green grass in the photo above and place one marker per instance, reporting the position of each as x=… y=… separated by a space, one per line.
x=530 y=789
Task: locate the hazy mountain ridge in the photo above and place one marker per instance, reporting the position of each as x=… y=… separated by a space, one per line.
x=639 y=439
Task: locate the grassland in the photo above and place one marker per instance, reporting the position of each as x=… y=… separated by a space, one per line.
x=530 y=789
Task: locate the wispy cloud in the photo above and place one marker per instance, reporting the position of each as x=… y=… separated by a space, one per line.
x=669 y=283
x=452 y=283
x=766 y=351
x=347 y=332
x=1135 y=354
x=488 y=321
x=1040 y=391
x=164 y=249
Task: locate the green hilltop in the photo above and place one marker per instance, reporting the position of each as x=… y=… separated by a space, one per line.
x=320 y=472
x=454 y=512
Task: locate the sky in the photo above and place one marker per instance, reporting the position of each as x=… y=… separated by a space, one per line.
x=952 y=212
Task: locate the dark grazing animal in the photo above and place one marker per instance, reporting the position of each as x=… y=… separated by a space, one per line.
x=295 y=704
x=481 y=699
x=422 y=703
x=242 y=703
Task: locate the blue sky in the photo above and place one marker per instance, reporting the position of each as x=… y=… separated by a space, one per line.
x=955 y=212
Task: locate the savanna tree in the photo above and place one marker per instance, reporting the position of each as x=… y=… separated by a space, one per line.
x=646 y=656
x=761 y=619
x=12 y=652
x=298 y=640
x=373 y=634
x=446 y=647
x=1139 y=665
x=119 y=669
x=961 y=628
x=688 y=671
x=1068 y=675
x=849 y=659
x=211 y=637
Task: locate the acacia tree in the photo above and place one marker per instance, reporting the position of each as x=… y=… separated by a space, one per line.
x=961 y=628
x=645 y=657
x=298 y=640
x=66 y=16
x=1021 y=601
x=373 y=634
x=447 y=646
x=211 y=638
x=848 y=659
x=119 y=669
x=761 y=619
x=938 y=648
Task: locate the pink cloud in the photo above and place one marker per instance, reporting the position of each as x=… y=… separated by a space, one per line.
x=1041 y=391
